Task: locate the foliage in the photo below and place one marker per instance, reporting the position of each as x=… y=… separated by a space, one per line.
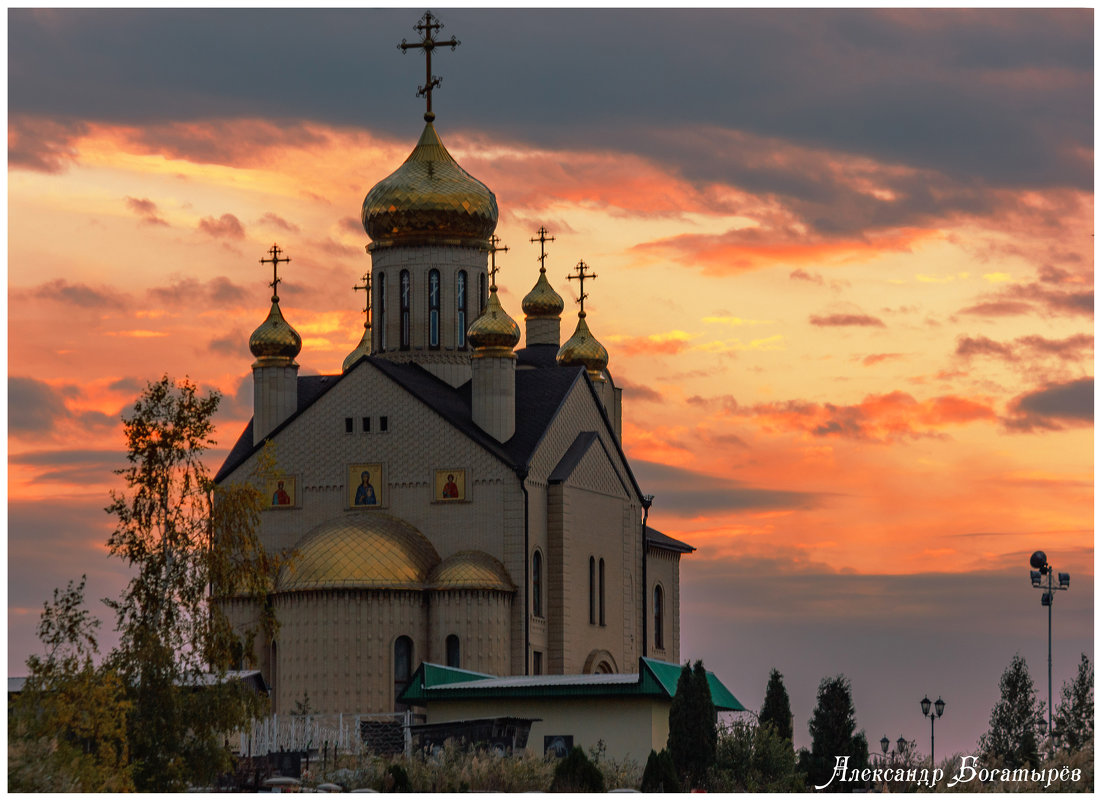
x=832 y=726
x=172 y=631
x=1075 y=715
x=67 y=728
x=660 y=776
x=397 y=780
x=576 y=774
x=776 y=709
x=692 y=738
x=1062 y=763
x=1012 y=736
x=754 y=758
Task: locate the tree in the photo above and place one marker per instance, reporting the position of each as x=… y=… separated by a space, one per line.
x=755 y=759
x=832 y=727
x=775 y=709
x=1015 y=720
x=173 y=631
x=67 y=728
x=576 y=774
x=1075 y=715
x=660 y=776
x=692 y=738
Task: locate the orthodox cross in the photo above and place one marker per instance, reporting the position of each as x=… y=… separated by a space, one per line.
x=581 y=277
x=543 y=238
x=366 y=287
x=427 y=27
x=494 y=249
x=274 y=261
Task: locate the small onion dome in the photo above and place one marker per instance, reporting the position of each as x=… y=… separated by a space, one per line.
x=429 y=198
x=368 y=550
x=543 y=300
x=583 y=349
x=494 y=333
x=362 y=349
x=470 y=570
x=275 y=343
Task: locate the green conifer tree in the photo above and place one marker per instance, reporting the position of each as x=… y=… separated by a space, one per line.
x=1012 y=734
x=1075 y=716
x=775 y=709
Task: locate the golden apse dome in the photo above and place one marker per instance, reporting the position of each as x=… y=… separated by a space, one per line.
x=360 y=550
x=470 y=570
x=429 y=199
x=274 y=342
x=583 y=349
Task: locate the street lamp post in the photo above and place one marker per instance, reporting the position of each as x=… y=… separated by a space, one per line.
x=939 y=708
x=1041 y=567
x=884 y=744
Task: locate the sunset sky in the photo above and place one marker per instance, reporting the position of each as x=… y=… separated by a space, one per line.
x=845 y=267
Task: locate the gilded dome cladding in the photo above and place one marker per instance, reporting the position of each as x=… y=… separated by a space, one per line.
x=363 y=348
x=494 y=329
x=429 y=197
x=369 y=550
x=543 y=300
x=275 y=342
x=470 y=570
x=584 y=349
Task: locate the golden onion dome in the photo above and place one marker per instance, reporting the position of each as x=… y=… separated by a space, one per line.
x=429 y=198
x=583 y=349
x=368 y=550
x=470 y=570
x=361 y=349
x=275 y=343
x=543 y=300
x=494 y=333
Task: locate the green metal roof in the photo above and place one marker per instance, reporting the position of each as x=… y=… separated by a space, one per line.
x=654 y=679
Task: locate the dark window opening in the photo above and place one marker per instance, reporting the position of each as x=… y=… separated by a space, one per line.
x=380 y=306
x=601 y=584
x=367 y=425
x=451 y=647
x=461 y=309
x=434 y=308
x=403 y=663
x=537 y=663
x=658 y=617
x=382 y=423
x=481 y=293
x=348 y=427
x=403 y=309
x=537 y=584
x=592 y=591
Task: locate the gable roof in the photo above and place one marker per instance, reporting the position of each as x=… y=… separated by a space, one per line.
x=655 y=679
x=656 y=539
x=540 y=393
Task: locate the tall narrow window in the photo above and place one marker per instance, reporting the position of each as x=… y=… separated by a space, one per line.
x=434 y=308
x=461 y=309
x=658 y=617
x=403 y=663
x=481 y=293
x=592 y=591
x=601 y=585
x=380 y=309
x=537 y=663
x=403 y=309
x=537 y=584
x=451 y=648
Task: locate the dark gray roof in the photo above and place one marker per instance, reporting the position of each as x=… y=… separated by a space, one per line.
x=572 y=456
x=537 y=356
x=540 y=394
x=656 y=539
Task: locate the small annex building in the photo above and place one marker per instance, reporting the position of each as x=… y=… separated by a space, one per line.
x=628 y=711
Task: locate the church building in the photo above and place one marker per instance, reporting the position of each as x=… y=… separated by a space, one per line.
x=451 y=497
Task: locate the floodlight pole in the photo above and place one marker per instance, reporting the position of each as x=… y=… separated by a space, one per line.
x=1039 y=561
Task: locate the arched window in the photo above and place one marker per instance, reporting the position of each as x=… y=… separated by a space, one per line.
x=537 y=584
x=403 y=663
x=592 y=591
x=481 y=293
x=451 y=649
x=601 y=584
x=461 y=309
x=403 y=309
x=380 y=309
x=658 y=617
x=434 y=308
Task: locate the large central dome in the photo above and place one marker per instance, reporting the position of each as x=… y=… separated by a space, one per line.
x=430 y=199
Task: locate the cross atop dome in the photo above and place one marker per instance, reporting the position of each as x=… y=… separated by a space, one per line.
x=427 y=27
x=275 y=261
x=543 y=239
x=365 y=287
x=494 y=250
x=580 y=276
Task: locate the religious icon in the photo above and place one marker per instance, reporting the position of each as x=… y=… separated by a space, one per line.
x=365 y=485
x=451 y=485
x=282 y=492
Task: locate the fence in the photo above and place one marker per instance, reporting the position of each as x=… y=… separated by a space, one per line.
x=386 y=733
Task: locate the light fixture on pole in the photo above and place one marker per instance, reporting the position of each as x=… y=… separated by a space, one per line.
x=1039 y=562
x=939 y=709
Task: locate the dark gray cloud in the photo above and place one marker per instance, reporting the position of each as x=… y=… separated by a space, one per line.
x=234 y=343
x=1057 y=292
x=1053 y=407
x=640 y=392
x=80 y=295
x=42 y=145
x=679 y=490
x=218 y=292
x=34 y=406
x=931 y=90
x=1070 y=348
x=846 y=319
